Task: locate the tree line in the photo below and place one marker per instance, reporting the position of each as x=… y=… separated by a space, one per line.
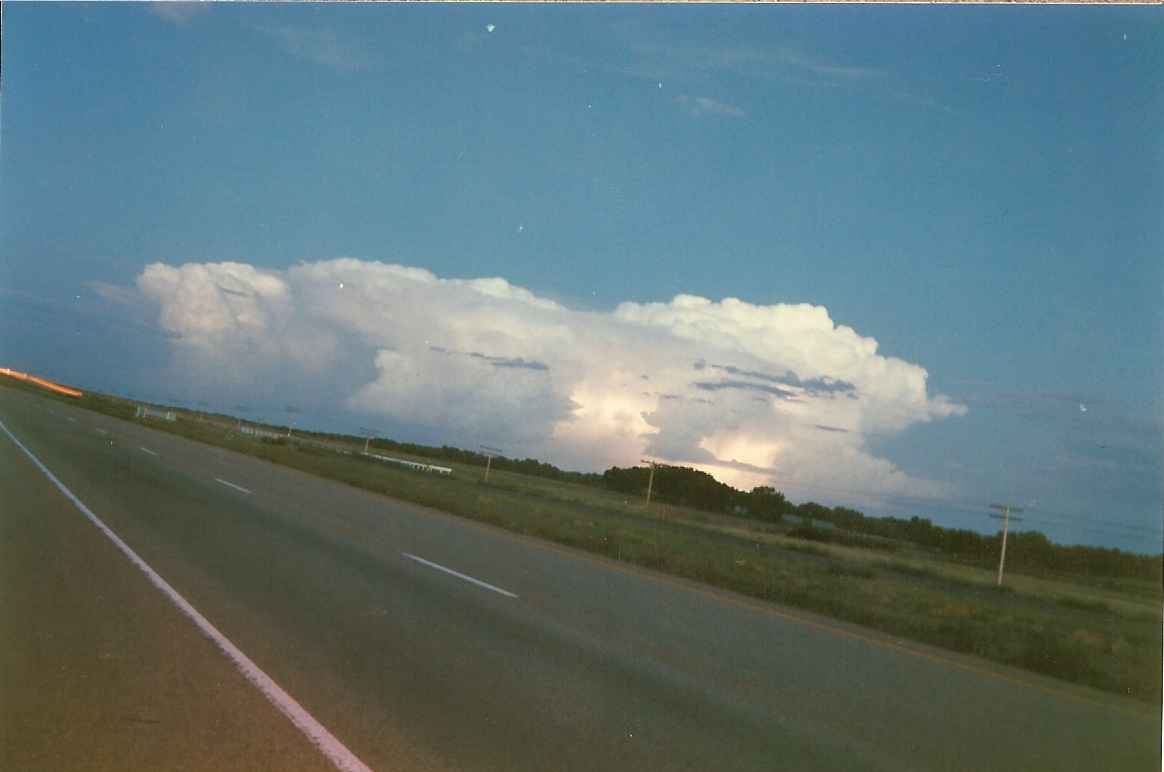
x=1032 y=551
x=683 y=486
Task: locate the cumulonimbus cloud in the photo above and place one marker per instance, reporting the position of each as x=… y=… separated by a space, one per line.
x=754 y=394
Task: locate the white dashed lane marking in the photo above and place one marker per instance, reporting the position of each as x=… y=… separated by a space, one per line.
x=459 y=575
x=229 y=484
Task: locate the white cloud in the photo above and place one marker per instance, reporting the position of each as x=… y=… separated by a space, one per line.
x=176 y=12
x=775 y=394
x=229 y=321
x=320 y=46
x=656 y=58
x=701 y=105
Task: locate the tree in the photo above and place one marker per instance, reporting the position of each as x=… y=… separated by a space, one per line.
x=766 y=503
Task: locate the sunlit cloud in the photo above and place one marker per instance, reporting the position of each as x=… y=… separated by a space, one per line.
x=754 y=394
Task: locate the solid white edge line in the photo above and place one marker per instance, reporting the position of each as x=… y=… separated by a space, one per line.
x=232 y=485
x=458 y=574
x=147 y=450
x=327 y=743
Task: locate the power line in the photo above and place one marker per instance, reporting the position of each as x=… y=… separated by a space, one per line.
x=1062 y=518
x=1046 y=517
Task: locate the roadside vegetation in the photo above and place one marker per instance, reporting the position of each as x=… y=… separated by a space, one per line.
x=1081 y=614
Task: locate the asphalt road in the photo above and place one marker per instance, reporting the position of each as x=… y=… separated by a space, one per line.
x=423 y=641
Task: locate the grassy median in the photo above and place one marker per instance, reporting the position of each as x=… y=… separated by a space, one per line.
x=1073 y=628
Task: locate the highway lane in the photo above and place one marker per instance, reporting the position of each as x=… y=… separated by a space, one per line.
x=97 y=670
x=588 y=666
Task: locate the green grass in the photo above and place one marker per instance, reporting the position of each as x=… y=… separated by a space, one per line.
x=1083 y=603
x=1104 y=636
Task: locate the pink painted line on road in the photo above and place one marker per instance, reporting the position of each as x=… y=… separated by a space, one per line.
x=320 y=737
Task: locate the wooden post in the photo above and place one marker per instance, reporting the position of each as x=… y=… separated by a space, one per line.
x=650 y=485
x=1006 y=509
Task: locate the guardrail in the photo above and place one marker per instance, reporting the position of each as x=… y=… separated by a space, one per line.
x=412 y=464
x=262 y=433
x=144 y=411
x=252 y=431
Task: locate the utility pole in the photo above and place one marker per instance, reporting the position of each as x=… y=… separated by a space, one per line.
x=241 y=409
x=490 y=452
x=1006 y=509
x=367 y=438
x=650 y=481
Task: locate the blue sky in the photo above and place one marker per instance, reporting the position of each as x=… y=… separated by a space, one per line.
x=977 y=189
